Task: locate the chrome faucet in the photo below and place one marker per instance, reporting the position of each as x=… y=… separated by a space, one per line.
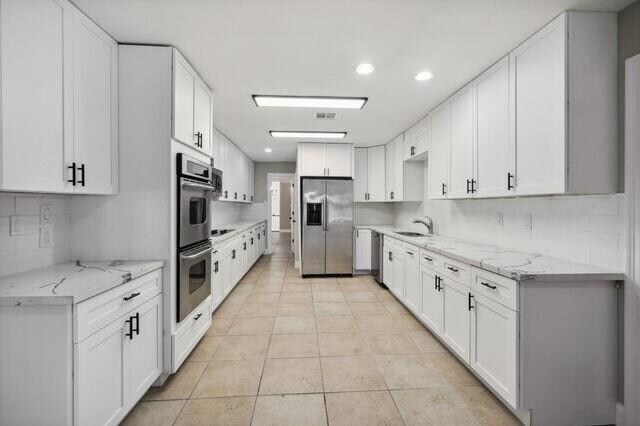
x=426 y=222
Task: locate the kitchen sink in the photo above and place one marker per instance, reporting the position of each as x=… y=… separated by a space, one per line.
x=412 y=234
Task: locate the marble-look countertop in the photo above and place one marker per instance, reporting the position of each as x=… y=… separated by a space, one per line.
x=70 y=282
x=238 y=228
x=517 y=265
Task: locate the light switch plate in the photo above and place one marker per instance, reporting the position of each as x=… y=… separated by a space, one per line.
x=16 y=226
x=45 y=237
x=46 y=214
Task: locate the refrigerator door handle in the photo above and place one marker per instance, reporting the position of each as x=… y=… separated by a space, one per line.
x=325 y=216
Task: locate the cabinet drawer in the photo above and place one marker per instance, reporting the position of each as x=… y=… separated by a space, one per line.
x=93 y=314
x=190 y=332
x=455 y=270
x=431 y=260
x=495 y=287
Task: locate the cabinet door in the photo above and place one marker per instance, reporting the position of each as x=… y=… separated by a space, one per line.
x=101 y=366
x=456 y=325
x=538 y=79
x=183 y=100
x=462 y=141
x=431 y=311
x=93 y=66
x=421 y=140
x=339 y=160
x=412 y=287
x=217 y=285
x=376 y=173
x=494 y=342
x=363 y=249
x=360 y=175
x=439 y=152
x=227 y=270
x=202 y=116
x=312 y=159
x=398 y=272
x=388 y=272
x=31 y=52
x=493 y=145
x=389 y=171
x=252 y=171
x=145 y=352
x=398 y=177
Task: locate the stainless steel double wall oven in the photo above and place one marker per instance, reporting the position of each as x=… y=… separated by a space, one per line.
x=198 y=184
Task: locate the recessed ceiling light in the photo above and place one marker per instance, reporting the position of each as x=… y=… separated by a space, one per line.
x=365 y=69
x=423 y=76
x=267 y=150
x=307 y=135
x=308 y=101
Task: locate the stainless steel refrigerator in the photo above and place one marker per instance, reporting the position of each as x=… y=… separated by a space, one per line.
x=327 y=226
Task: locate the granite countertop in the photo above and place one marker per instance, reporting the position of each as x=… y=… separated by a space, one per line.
x=517 y=265
x=70 y=282
x=238 y=228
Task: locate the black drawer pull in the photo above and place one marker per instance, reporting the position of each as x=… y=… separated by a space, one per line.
x=492 y=287
x=428 y=259
x=126 y=299
x=198 y=316
x=452 y=269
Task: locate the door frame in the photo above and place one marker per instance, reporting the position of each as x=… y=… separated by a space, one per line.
x=271 y=177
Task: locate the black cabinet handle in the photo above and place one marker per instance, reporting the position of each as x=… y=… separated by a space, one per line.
x=492 y=287
x=470 y=297
x=251 y=240
x=233 y=253
x=197 y=317
x=226 y=194
x=473 y=186
x=439 y=283
x=435 y=282
x=428 y=259
x=390 y=256
x=81 y=181
x=452 y=269
x=73 y=174
x=126 y=299
x=409 y=253
x=468 y=183
x=215 y=267
x=244 y=197
x=510 y=185
x=252 y=198
x=244 y=246
x=235 y=195
x=130 y=333
x=137 y=318
x=392 y=195
x=443 y=188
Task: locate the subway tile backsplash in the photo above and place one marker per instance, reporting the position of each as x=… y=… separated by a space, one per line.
x=22 y=252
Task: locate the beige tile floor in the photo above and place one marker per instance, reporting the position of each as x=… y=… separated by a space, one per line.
x=286 y=351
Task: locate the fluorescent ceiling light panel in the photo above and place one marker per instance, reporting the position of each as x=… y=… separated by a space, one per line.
x=308 y=101
x=307 y=135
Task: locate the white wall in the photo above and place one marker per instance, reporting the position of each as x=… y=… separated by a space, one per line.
x=22 y=253
x=224 y=213
x=585 y=229
x=373 y=213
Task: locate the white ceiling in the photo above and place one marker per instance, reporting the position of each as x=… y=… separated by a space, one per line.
x=303 y=47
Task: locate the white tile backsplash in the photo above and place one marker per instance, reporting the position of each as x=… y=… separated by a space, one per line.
x=22 y=252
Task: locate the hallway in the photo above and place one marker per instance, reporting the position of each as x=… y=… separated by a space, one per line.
x=283 y=350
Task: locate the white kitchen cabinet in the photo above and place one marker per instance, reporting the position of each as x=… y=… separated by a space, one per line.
x=192 y=106
x=390 y=169
x=456 y=326
x=416 y=141
x=360 y=174
x=493 y=148
x=393 y=269
x=369 y=174
x=217 y=282
x=362 y=252
x=403 y=180
x=432 y=308
x=66 y=89
x=325 y=159
x=237 y=172
x=494 y=342
x=412 y=286
x=439 y=152
x=227 y=270
x=461 y=173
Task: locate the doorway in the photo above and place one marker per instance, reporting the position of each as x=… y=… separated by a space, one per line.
x=280 y=212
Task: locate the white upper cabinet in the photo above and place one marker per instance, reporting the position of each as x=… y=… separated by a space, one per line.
x=237 y=170
x=59 y=101
x=369 y=174
x=493 y=148
x=461 y=179
x=439 y=152
x=191 y=106
x=403 y=180
x=389 y=170
x=325 y=159
x=360 y=174
x=416 y=141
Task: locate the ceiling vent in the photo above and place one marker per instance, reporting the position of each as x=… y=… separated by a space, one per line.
x=325 y=115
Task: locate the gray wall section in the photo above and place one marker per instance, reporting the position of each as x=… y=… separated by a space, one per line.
x=285 y=205
x=628 y=46
x=260 y=177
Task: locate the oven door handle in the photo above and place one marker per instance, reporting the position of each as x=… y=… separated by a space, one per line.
x=198 y=185
x=198 y=254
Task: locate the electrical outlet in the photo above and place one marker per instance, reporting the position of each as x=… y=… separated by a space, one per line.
x=528 y=222
x=46 y=214
x=16 y=226
x=499 y=219
x=45 y=237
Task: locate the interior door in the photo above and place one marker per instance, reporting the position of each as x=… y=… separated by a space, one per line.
x=339 y=237
x=439 y=152
x=360 y=175
x=462 y=141
x=314 y=211
x=376 y=173
x=493 y=145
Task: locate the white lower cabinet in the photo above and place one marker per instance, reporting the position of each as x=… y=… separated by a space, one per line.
x=393 y=272
x=431 y=309
x=455 y=331
x=362 y=252
x=494 y=339
x=217 y=290
x=412 y=287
